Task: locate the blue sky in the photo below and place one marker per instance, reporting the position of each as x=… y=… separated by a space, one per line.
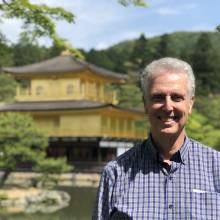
x=102 y=23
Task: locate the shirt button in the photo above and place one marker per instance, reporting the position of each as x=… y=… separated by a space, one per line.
x=170 y=206
x=170 y=177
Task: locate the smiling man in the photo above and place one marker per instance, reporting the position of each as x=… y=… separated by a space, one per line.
x=169 y=175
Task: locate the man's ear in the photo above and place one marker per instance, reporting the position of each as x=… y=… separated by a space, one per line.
x=192 y=100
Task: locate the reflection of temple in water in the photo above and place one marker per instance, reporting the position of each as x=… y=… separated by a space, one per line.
x=71 y=101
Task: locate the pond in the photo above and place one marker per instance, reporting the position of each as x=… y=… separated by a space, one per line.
x=80 y=208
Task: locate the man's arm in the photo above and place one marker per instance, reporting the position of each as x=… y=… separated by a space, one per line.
x=103 y=205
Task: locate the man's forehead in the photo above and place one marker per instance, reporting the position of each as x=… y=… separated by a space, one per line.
x=169 y=83
x=168 y=73
x=169 y=79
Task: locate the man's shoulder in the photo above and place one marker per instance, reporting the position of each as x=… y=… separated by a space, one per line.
x=127 y=159
x=204 y=150
x=132 y=153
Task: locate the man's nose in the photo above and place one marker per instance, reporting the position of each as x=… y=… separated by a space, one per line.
x=168 y=104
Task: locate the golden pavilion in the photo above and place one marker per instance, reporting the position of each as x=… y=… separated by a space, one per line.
x=70 y=100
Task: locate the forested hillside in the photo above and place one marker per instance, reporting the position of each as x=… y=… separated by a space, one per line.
x=200 y=49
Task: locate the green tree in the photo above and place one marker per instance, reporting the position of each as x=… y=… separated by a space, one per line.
x=199 y=128
x=7 y=88
x=118 y=59
x=135 y=2
x=39 y=20
x=209 y=106
x=202 y=62
x=141 y=54
x=6 y=53
x=162 y=47
x=27 y=51
x=23 y=144
x=99 y=58
x=56 y=50
x=130 y=96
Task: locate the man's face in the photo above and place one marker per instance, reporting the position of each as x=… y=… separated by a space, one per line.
x=168 y=104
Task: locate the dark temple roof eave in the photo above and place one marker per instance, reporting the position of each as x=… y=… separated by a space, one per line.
x=62 y=64
x=59 y=106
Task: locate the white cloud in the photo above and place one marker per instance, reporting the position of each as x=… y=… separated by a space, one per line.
x=179 y=9
x=102 y=46
x=120 y=36
x=189 y=6
x=203 y=27
x=150 y=34
x=164 y=11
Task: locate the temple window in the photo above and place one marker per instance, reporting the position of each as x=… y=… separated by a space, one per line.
x=104 y=122
x=56 y=122
x=121 y=125
x=25 y=87
x=82 y=87
x=39 y=90
x=69 y=89
x=97 y=89
x=113 y=124
x=129 y=125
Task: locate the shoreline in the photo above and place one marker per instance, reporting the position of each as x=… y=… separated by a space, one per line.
x=19 y=196
x=32 y=200
x=25 y=179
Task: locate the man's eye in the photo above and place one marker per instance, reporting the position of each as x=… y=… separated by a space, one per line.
x=177 y=98
x=157 y=98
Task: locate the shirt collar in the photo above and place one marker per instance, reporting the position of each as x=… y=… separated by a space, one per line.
x=183 y=152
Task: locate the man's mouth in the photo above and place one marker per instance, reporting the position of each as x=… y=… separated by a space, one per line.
x=168 y=119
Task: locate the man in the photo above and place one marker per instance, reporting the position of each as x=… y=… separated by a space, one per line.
x=168 y=176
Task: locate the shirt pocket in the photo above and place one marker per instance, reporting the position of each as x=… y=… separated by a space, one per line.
x=203 y=206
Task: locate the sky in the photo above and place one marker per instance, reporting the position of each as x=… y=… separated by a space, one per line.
x=103 y=23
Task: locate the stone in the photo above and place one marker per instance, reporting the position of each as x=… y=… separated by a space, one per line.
x=44 y=201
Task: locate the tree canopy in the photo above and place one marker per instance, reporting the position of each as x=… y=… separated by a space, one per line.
x=22 y=145
x=200 y=128
x=6 y=53
x=7 y=88
x=38 y=19
x=135 y=2
x=203 y=63
x=141 y=54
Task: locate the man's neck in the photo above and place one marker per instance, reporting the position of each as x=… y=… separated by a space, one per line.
x=169 y=145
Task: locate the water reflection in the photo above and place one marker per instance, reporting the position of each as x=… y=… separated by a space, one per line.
x=80 y=208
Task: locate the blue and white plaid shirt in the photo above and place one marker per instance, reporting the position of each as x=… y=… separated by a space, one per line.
x=137 y=186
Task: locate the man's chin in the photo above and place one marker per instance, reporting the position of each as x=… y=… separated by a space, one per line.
x=168 y=131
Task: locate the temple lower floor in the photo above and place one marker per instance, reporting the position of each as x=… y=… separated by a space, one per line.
x=88 y=153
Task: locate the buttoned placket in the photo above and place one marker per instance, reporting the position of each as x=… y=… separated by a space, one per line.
x=169 y=190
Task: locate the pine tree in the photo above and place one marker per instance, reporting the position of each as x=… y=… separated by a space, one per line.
x=22 y=144
x=141 y=54
x=162 y=47
x=202 y=63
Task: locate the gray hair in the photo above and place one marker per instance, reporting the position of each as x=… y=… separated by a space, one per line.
x=167 y=64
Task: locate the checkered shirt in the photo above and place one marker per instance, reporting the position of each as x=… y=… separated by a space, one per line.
x=137 y=186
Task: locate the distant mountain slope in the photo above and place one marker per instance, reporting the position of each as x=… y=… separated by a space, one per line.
x=200 y=49
x=178 y=43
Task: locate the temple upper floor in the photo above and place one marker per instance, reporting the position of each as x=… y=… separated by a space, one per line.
x=72 y=88
x=65 y=78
